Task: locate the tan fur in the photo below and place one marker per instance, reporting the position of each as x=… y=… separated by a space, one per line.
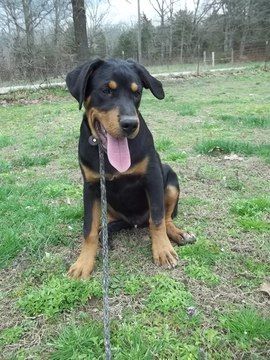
x=138 y=169
x=162 y=249
x=84 y=265
x=174 y=233
x=108 y=119
x=134 y=87
x=113 y=85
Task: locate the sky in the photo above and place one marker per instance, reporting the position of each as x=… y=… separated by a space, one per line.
x=126 y=10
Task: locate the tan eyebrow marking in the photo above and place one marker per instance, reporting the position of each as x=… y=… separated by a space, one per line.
x=112 y=85
x=134 y=87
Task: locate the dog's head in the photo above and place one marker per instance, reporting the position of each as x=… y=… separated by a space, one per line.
x=111 y=93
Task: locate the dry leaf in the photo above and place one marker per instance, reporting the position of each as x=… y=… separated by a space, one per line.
x=265 y=287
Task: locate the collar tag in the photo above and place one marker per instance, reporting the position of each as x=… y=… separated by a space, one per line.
x=92 y=140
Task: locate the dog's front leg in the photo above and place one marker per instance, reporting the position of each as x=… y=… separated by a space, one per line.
x=163 y=251
x=84 y=265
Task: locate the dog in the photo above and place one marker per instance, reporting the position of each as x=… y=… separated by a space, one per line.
x=140 y=189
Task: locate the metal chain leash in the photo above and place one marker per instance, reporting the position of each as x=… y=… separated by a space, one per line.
x=105 y=256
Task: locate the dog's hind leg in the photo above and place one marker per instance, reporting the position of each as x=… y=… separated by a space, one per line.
x=171 y=196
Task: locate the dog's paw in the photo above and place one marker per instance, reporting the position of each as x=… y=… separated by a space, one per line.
x=164 y=255
x=188 y=238
x=81 y=269
x=179 y=236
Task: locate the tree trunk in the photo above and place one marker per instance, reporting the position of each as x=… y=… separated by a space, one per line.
x=139 y=34
x=79 y=21
x=56 y=22
x=182 y=45
x=29 y=31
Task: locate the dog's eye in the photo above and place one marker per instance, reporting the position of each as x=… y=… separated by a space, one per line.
x=107 y=91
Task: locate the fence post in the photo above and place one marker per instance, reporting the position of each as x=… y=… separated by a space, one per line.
x=266 y=55
x=198 y=59
x=232 y=56
x=204 y=58
x=213 y=58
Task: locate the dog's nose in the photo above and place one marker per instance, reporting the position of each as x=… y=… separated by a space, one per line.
x=129 y=124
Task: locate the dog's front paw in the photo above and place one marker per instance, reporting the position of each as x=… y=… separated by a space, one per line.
x=188 y=238
x=179 y=236
x=164 y=254
x=81 y=269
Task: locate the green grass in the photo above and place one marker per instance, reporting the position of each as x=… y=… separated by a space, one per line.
x=27 y=161
x=220 y=146
x=205 y=252
x=84 y=342
x=252 y=213
x=203 y=273
x=163 y=144
x=247 y=120
x=246 y=325
x=168 y=295
x=33 y=219
x=58 y=295
x=10 y=335
x=5 y=141
x=209 y=306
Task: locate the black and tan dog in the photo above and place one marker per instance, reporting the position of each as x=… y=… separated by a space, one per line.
x=140 y=190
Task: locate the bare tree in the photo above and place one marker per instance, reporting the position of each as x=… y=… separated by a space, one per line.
x=96 y=13
x=161 y=8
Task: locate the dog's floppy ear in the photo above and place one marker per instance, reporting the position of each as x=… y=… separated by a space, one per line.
x=77 y=79
x=148 y=81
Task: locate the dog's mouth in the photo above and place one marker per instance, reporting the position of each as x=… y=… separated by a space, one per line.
x=117 y=148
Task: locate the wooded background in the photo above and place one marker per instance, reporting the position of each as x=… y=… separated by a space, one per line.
x=43 y=39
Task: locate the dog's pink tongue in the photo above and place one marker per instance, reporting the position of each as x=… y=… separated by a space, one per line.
x=118 y=153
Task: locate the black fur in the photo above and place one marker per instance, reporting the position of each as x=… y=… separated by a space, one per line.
x=134 y=197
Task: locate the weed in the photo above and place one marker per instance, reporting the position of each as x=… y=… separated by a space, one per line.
x=4 y=166
x=46 y=268
x=163 y=144
x=203 y=252
x=233 y=183
x=202 y=272
x=10 y=335
x=250 y=213
x=177 y=297
x=58 y=295
x=247 y=120
x=27 y=161
x=5 y=141
x=251 y=207
x=176 y=156
x=220 y=146
x=186 y=109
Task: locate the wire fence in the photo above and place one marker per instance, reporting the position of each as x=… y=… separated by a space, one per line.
x=45 y=69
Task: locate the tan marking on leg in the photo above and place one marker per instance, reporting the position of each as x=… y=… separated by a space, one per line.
x=162 y=249
x=84 y=265
x=89 y=175
x=175 y=234
x=112 y=215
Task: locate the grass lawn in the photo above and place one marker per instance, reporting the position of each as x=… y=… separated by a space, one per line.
x=214 y=131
